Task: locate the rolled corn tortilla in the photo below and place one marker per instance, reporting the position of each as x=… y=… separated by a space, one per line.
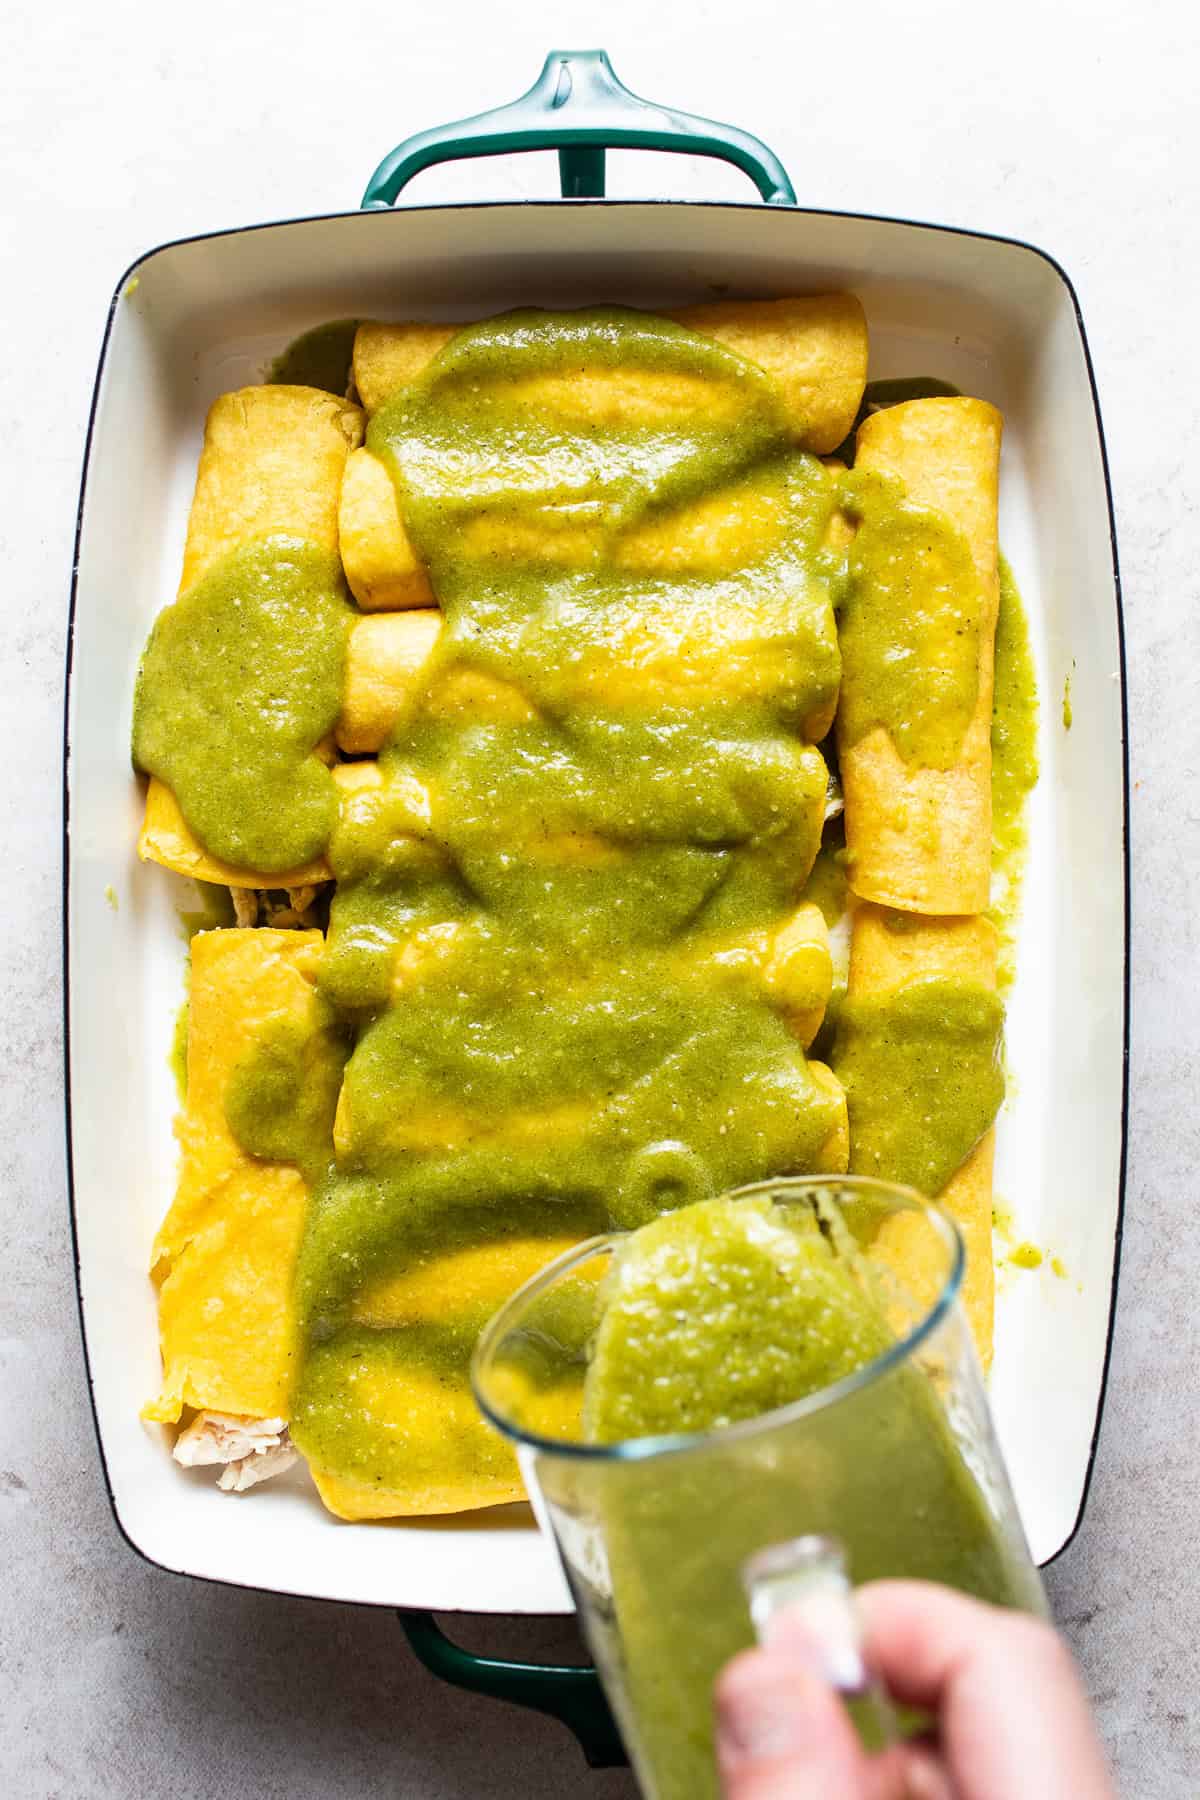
x=386 y=659
x=881 y=961
x=272 y=461
x=224 y=1255
x=454 y=1461
x=791 y=963
x=431 y=1411
x=449 y=1128
x=814 y=349
x=387 y=357
x=432 y=1289
x=798 y=971
x=167 y=839
x=834 y=1155
x=920 y=839
x=647 y=666
x=381 y=565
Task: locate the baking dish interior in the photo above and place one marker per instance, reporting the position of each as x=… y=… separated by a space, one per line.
x=200 y=317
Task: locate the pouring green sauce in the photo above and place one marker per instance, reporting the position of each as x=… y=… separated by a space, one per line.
x=720 y=1313
x=714 y=1316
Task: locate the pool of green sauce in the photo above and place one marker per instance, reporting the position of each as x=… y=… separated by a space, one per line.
x=239 y=682
x=1014 y=766
x=320 y=358
x=177 y=1056
x=715 y=1315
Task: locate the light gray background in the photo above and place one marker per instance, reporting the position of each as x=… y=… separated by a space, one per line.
x=1074 y=125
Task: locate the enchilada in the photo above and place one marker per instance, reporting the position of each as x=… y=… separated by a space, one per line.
x=566 y=938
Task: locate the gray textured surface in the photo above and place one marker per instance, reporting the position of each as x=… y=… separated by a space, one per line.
x=1073 y=125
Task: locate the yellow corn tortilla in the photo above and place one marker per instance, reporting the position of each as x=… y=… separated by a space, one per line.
x=798 y=971
x=436 y=1287
x=459 y=1463
x=385 y=660
x=428 y=1408
x=224 y=1255
x=791 y=962
x=387 y=357
x=833 y=1158
x=272 y=461
x=381 y=565
x=643 y=665
x=167 y=838
x=920 y=839
x=814 y=348
x=882 y=960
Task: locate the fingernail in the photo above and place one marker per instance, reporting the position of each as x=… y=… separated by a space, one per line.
x=923 y=1781
x=760 y=1723
x=829 y=1658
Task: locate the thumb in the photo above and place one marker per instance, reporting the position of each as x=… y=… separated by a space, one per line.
x=782 y=1733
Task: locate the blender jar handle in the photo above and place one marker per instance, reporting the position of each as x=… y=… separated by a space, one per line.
x=572 y=1695
x=806 y=1578
x=579 y=108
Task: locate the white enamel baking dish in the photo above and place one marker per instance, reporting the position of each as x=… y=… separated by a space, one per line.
x=191 y=319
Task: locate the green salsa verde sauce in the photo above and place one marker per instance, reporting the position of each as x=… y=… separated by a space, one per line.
x=572 y=1051
x=575 y=1060
x=177 y=1056
x=720 y=1312
x=240 y=681
x=320 y=358
x=1014 y=765
x=282 y=1094
x=908 y=626
x=923 y=1076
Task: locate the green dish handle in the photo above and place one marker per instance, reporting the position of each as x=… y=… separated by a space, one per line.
x=579 y=108
x=572 y=1695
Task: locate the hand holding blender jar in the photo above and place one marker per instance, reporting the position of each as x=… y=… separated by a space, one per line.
x=689 y=1400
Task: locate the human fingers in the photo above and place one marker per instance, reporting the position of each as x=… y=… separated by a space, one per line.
x=783 y=1734
x=1011 y=1713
